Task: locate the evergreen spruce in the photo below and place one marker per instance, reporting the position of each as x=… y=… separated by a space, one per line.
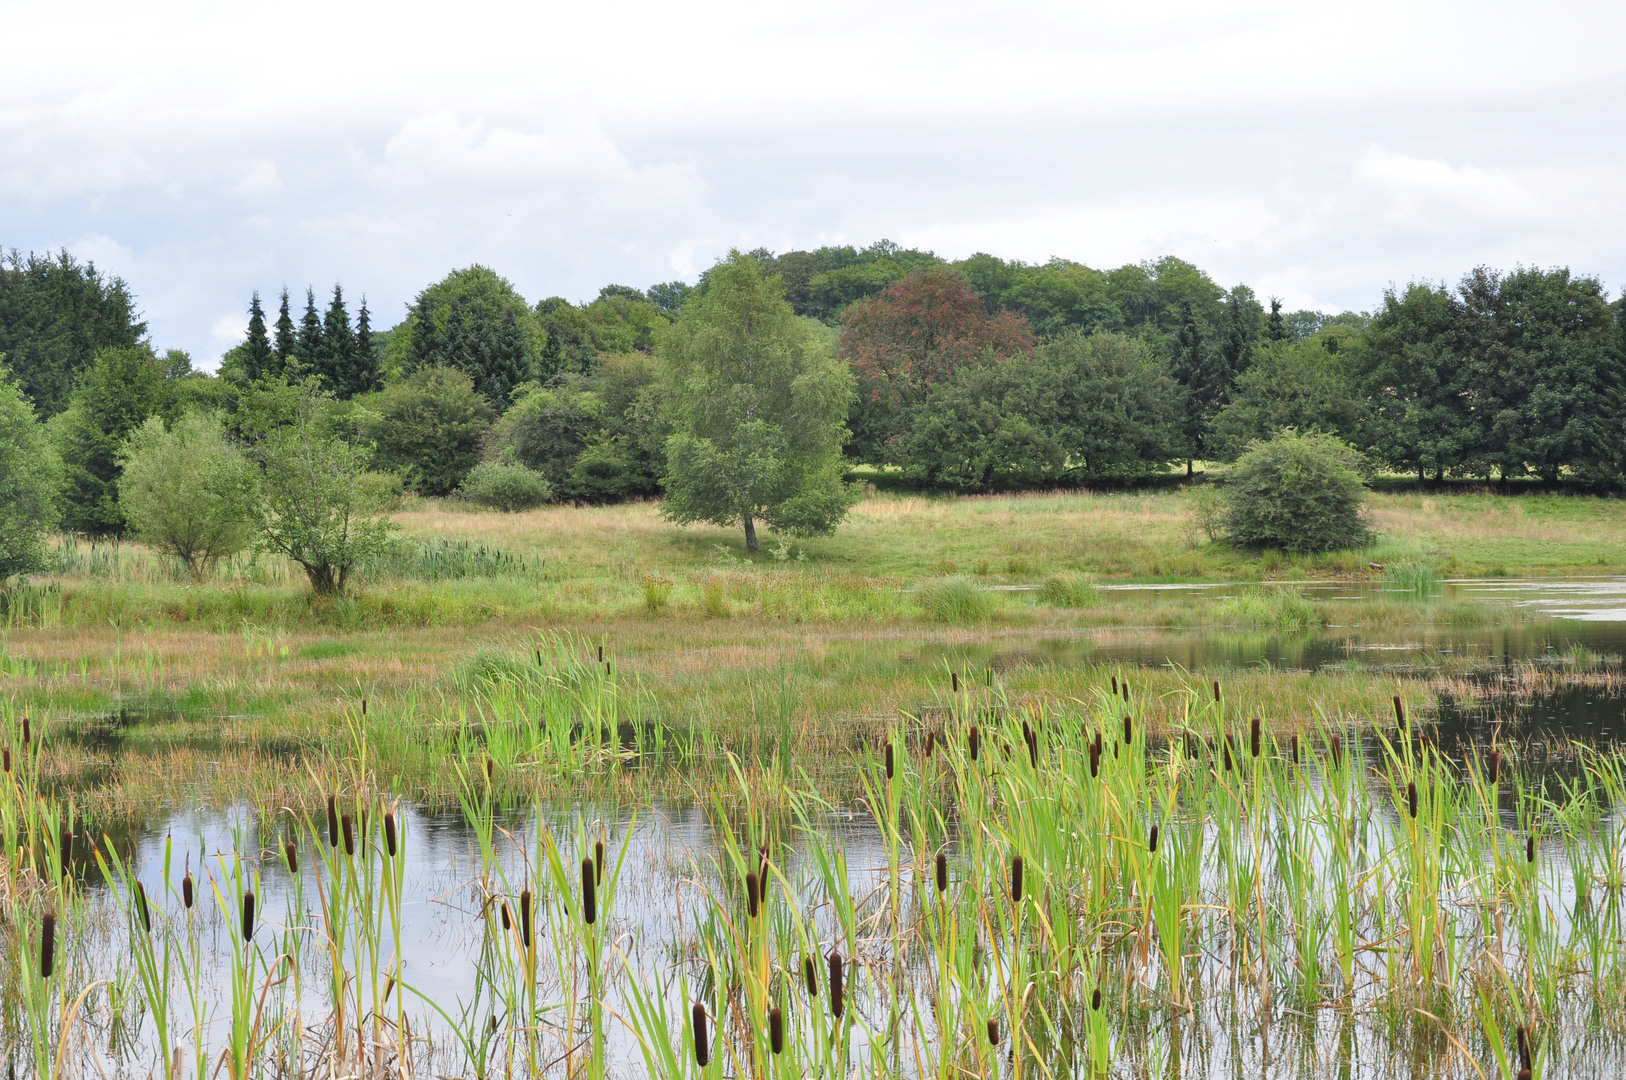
x=338 y=355
x=1275 y=326
x=309 y=346
x=553 y=354
x=1189 y=368
x=257 y=356
x=505 y=362
x=365 y=375
x=1236 y=354
x=286 y=346
x=426 y=341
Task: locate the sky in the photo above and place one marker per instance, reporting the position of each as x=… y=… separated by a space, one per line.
x=1318 y=152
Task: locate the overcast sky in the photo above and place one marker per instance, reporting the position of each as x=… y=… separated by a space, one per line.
x=1315 y=151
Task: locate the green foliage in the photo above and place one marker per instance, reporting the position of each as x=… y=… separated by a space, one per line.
x=509 y=488
x=187 y=491
x=1419 y=579
x=427 y=428
x=1270 y=607
x=116 y=394
x=439 y=559
x=30 y=478
x=757 y=401
x=955 y=599
x=474 y=320
x=822 y=283
x=1291 y=384
x=1069 y=590
x=1301 y=492
x=318 y=505
x=56 y=313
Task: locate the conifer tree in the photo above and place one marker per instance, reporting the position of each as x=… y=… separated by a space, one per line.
x=1236 y=353
x=366 y=376
x=257 y=355
x=426 y=340
x=338 y=356
x=309 y=346
x=1275 y=326
x=285 y=341
x=1189 y=367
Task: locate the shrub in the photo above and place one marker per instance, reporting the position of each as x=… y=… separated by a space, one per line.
x=1299 y=492
x=508 y=488
x=1069 y=590
x=30 y=476
x=1417 y=578
x=187 y=492
x=657 y=591
x=426 y=428
x=955 y=600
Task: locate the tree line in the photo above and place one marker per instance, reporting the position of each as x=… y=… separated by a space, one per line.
x=977 y=375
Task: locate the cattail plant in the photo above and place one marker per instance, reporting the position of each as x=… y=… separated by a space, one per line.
x=47 y=942
x=1124 y=687
x=954 y=681
x=973 y=740
x=1493 y=766
x=1255 y=737
x=186 y=891
x=389 y=833
x=993 y=1031
x=776 y=1030
x=1226 y=746
x=838 y=1002
x=507 y=919
x=702 y=1045
x=891 y=767
x=1095 y=998
x=1400 y=712
x=1151 y=841
x=27 y=736
x=1016 y=879
x=141 y=907
x=931 y=740
x=1411 y=795
x=1530 y=848
x=1523 y=1035
x=290 y=852
x=1336 y=751
x=810 y=972
x=1295 y=743
x=751 y=886
x=598 y=862
x=248 y=916
x=1115 y=686
x=589 y=893
x=1129 y=729
x=525 y=919
x=942 y=872
x=332 y=821
x=5 y=758
x=1216 y=690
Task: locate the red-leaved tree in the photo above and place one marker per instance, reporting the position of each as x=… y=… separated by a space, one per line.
x=918 y=331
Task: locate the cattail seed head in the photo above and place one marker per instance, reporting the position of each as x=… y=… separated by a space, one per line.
x=1530 y=848
x=954 y=681
x=589 y=893
x=47 y=945
x=1337 y=749
x=507 y=920
x=891 y=768
x=389 y=833
x=1151 y=841
x=776 y=1030
x=1227 y=750
x=27 y=735
x=186 y=892
x=1016 y=879
x=838 y=1001
x=525 y=918
x=1255 y=737
x=291 y=853
x=348 y=827
x=931 y=738
x=1095 y=998
x=141 y=907
x=1129 y=729
x=6 y=756
x=1295 y=748
x=1124 y=686
x=1411 y=798
x=942 y=872
x=248 y=916
x=601 y=654
x=364 y=706
x=598 y=862
x=332 y=822
x=1523 y=1036
x=1400 y=712
x=702 y=1045
x=1216 y=690
x=973 y=740
x=810 y=973
x=751 y=886
x=1493 y=766
x=993 y=1031
x=491 y=769
x=1115 y=686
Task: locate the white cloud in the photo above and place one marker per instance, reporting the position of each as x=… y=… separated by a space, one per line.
x=260 y=178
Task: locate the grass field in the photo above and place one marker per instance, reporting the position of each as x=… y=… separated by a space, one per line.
x=170 y=691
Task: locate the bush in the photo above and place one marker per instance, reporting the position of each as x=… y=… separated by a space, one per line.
x=186 y=491
x=1299 y=492
x=426 y=428
x=509 y=488
x=955 y=600
x=1419 y=579
x=1069 y=591
x=657 y=591
x=1276 y=608
x=30 y=476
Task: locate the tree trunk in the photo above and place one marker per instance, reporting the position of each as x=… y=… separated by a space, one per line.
x=750 y=533
x=1188 y=468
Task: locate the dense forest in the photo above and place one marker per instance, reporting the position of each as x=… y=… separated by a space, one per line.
x=975 y=375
